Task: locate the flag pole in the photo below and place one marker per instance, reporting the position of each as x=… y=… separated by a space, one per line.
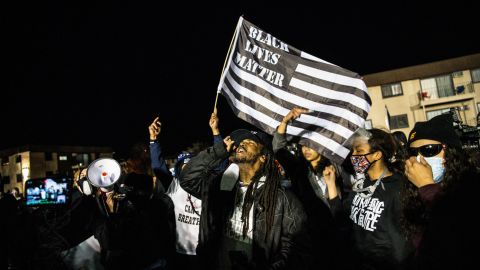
x=227 y=60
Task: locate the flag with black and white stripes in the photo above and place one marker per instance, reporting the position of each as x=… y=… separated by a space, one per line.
x=265 y=78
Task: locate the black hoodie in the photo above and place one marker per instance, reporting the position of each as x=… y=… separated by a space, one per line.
x=378 y=240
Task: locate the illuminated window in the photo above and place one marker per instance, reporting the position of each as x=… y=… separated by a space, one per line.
x=437 y=87
x=431 y=114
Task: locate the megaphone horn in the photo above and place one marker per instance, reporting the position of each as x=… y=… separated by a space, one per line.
x=103 y=172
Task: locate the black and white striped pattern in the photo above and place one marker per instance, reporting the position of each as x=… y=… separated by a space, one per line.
x=338 y=98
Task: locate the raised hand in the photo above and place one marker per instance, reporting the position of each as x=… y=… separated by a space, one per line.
x=154 y=129
x=228 y=143
x=292 y=115
x=214 y=124
x=330 y=178
x=329 y=174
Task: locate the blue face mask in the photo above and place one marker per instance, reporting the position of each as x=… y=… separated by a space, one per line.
x=438 y=170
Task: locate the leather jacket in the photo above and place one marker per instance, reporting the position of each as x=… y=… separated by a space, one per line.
x=286 y=246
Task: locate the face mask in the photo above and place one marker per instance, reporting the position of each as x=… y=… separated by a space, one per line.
x=438 y=170
x=360 y=163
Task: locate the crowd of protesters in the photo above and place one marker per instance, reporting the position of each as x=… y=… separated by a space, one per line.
x=251 y=201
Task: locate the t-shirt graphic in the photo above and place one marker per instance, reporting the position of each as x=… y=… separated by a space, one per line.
x=366 y=212
x=187 y=216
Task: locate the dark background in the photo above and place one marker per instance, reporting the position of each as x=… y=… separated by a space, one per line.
x=97 y=73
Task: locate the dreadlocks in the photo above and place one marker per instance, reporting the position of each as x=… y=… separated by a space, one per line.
x=268 y=194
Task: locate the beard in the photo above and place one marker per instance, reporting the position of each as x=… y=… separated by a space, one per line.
x=247 y=158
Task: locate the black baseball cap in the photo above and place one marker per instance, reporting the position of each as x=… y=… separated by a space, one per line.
x=439 y=128
x=257 y=136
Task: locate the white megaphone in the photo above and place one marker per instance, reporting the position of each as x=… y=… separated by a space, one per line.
x=103 y=172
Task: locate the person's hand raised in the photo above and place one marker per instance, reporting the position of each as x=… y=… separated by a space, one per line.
x=213 y=123
x=330 y=178
x=329 y=175
x=291 y=115
x=294 y=114
x=228 y=143
x=154 y=129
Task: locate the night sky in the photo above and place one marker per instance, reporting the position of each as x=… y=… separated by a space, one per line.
x=97 y=74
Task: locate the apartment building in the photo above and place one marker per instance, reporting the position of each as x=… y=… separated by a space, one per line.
x=418 y=93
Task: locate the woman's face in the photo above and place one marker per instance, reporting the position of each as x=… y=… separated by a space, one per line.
x=362 y=156
x=309 y=154
x=360 y=148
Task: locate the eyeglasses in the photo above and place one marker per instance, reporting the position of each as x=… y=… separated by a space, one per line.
x=428 y=150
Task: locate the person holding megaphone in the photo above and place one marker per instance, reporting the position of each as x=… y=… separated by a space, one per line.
x=134 y=227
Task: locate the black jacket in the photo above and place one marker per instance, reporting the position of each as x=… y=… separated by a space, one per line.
x=141 y=232
x=331 y=237
x=451 y=234
x=287 y=245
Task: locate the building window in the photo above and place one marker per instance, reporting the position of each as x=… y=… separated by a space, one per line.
x=399 y=121
x=62 y=157
x=431 y=114
x=392 y=90
x=18 y=159
x=368 y=124
x=441 y=86
x=6 y=179
x=48 y=156
x=457 y=74
x=19 y=178
x=82 y=158
x=476 y=75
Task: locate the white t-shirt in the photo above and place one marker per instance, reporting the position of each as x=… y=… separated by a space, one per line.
x=187 y=217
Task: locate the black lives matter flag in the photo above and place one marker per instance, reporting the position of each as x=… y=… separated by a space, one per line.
x=265 y=78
